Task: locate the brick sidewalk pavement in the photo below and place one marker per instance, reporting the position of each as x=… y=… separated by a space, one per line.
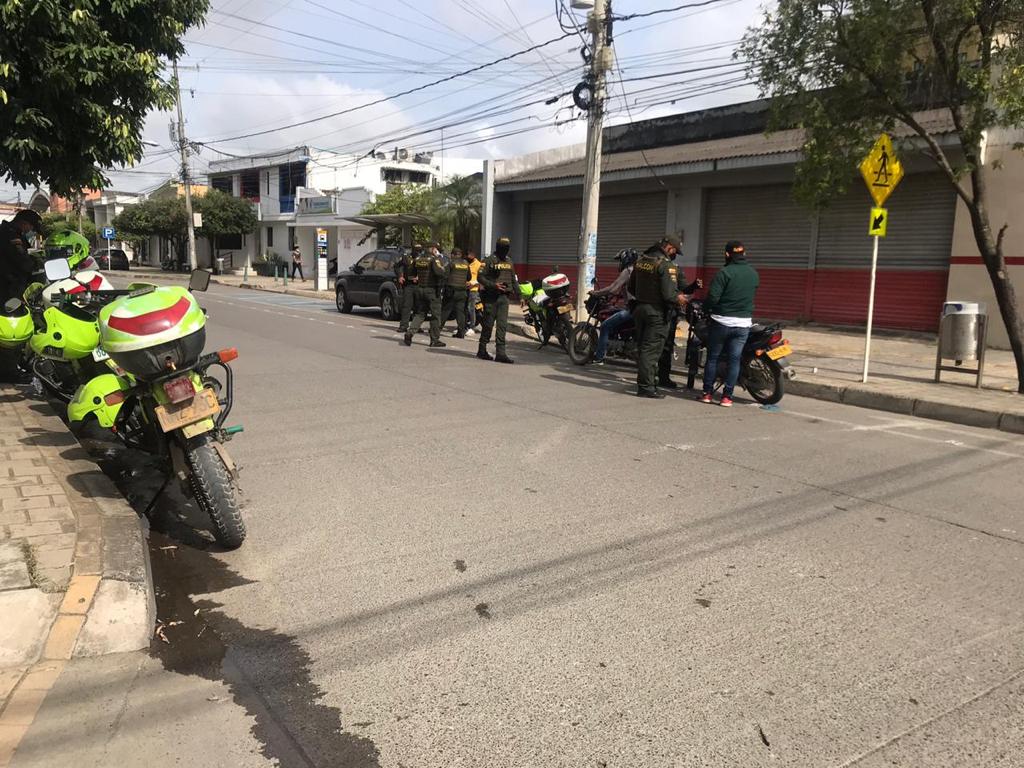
x=74 y=578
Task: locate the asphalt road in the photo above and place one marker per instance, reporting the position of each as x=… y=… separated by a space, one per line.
x=459 y=563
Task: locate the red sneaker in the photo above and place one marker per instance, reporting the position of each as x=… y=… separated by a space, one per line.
x=706 y=398
x=726 y=402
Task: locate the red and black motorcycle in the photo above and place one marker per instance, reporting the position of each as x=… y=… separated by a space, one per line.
x=583 y=341
x=763 y=365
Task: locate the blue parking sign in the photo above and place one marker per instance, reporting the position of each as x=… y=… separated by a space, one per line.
x=107 y=233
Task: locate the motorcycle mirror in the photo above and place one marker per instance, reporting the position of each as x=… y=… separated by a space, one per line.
x=57 y=269
x=11 y=305
x=199 y=280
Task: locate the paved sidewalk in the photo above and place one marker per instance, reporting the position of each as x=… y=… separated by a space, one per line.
x=74 y=578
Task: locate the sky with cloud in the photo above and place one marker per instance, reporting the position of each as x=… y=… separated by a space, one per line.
x=258 y=66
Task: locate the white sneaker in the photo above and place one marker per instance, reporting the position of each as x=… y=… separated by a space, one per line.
x=471 y=332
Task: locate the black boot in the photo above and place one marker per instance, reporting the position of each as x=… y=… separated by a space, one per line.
x=501 y=357
x=667 y=383
x=407 y=339
x=482 y=353
x=438 y=343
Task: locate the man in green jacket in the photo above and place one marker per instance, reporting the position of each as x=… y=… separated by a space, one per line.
x=731 y=304
x=456 y=293
x=654 y=284
x=498 y=284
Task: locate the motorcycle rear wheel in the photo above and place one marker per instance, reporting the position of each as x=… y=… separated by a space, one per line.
x=582 y=343
x=563 y=332
x=763 y=379
x=215 y=494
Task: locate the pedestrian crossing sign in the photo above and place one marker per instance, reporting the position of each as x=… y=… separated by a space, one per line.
x=881 y=169
x=879 y=222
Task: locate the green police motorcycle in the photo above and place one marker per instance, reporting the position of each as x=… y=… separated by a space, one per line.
x=163 y=396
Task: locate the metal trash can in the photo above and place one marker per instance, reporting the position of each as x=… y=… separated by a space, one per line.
x=220 y=266
x=959 y=330
x=963 y=330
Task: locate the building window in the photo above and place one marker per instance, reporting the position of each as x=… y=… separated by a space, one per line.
x=270 y=237
x=290 y=177
x=223 y=184
x=251 y=185
x=419 y=177
x=266 y=183
x=391 y=175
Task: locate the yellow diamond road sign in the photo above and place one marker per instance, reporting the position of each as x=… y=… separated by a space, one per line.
x=881 y=169
x=879 y=222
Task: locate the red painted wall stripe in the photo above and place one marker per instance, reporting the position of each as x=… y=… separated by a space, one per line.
x=1016 y=261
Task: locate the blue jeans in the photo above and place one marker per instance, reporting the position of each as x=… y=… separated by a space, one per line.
x=724 y=338
x=608 y=327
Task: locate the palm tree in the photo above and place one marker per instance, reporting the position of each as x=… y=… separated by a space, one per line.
x=459 y=206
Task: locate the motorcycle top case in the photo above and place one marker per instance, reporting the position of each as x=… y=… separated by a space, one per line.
x=84 y=280
x=556 y=285
x=153 y=331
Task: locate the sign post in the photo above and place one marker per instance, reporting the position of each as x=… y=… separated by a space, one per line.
x=108 y=233
x=882 y=171
x=321 y=259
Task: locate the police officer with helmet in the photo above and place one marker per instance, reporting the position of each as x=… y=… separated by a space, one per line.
x=655 y=286
x=498 y=283
x=431 y=271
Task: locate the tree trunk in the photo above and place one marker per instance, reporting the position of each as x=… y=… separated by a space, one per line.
x=991 y=251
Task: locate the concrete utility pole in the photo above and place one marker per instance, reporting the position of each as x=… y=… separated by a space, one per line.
x=185 y=175
x=597 y=22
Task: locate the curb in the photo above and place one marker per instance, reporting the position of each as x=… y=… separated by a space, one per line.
x=850 y=394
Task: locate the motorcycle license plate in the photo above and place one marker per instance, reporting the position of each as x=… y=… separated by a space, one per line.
x=202 y=406
x=564 y=309
x=99 y=355
x=780 y=352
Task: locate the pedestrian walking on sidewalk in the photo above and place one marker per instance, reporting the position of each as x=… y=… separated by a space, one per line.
x=430 y=276
x=297 y=263
x=731 y=305
x=654 y=284
x=498 y=283
x=456 y=293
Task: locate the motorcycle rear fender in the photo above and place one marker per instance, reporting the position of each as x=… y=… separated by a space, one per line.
x=91 y=398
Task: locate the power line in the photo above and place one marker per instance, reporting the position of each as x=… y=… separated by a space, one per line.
x=676 y=9
x=396 y=95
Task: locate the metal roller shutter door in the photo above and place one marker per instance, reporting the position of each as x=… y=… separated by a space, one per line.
x=626 y=221
x=629 y=221
x=777 y=234
x=913 y=259
x=553 y=231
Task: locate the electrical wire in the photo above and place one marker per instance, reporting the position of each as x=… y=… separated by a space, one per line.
x=393 y=96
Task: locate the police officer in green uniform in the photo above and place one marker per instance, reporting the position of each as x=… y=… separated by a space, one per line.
x=654 y=283
x=498 y=283
x=665 y=361
x=431 y=272
x=456 y=293
x=405 y=271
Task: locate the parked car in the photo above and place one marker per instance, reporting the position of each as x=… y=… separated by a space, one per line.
x=112 y=258
x=371 y=282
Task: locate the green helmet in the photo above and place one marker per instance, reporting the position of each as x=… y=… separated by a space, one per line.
x=16 y=326
x=67 y=245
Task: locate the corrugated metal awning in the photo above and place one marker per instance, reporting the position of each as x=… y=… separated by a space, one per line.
x=750 y=146
x=390 y=220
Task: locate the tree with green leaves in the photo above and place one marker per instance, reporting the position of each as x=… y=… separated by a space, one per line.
x=77 y=79
x=68 y=222
x=224 y=215
x=459 y=204
x=159 y=217
x=844 y=70
x=405 y=198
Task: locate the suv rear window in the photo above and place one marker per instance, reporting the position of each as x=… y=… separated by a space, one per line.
x=384 y=261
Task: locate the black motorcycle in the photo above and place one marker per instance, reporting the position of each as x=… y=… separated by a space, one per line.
x=763 y=365
x=583 y=342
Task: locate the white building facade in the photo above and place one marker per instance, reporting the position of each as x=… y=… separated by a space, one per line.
x=302 y=190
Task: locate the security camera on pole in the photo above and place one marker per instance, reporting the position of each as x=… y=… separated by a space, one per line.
x=589 y=96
